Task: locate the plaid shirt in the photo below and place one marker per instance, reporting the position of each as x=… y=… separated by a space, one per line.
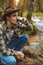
x=6 y=35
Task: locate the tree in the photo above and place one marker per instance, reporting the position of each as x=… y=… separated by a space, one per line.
x=12 y=3
x=28 y=6
x=38 y=5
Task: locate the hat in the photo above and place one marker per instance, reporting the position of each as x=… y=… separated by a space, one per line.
x=9 y=10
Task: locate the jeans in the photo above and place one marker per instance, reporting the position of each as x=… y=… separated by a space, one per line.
x=16 y=44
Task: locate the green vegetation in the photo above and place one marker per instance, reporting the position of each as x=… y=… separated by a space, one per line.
x=25 y=14
x=40 y=14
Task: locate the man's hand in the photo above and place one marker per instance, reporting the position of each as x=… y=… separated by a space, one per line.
x=20 y=55
x=26 y=21
x=1 y=27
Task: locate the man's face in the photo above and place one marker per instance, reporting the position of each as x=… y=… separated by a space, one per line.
x=13 y=18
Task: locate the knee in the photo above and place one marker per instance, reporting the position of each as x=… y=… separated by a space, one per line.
x=25 y=37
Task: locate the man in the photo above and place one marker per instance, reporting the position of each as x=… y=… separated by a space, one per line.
x=10 y=43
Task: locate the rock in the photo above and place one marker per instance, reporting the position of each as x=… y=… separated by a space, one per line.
x=40 y=59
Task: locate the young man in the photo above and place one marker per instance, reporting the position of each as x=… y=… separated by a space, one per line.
x=10 y=43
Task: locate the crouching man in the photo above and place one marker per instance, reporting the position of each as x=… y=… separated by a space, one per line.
x=10 y=43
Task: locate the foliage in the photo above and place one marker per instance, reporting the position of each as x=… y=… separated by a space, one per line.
x=40 y=14
x=35 y=30
x=1 y=9
x=25 y=14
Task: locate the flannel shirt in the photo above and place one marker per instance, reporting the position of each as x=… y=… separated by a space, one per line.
x=6 y=35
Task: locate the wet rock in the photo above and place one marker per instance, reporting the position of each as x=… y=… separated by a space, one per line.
x=34 y=48
x=41 y=36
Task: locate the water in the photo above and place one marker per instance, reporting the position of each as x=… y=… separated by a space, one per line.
x=38 y=22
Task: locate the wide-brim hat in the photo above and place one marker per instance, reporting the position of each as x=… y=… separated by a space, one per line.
x=9 y=10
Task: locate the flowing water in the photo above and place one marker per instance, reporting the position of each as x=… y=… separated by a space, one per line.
x=38 y=22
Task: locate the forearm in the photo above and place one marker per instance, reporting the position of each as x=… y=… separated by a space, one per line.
x=9 y=51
